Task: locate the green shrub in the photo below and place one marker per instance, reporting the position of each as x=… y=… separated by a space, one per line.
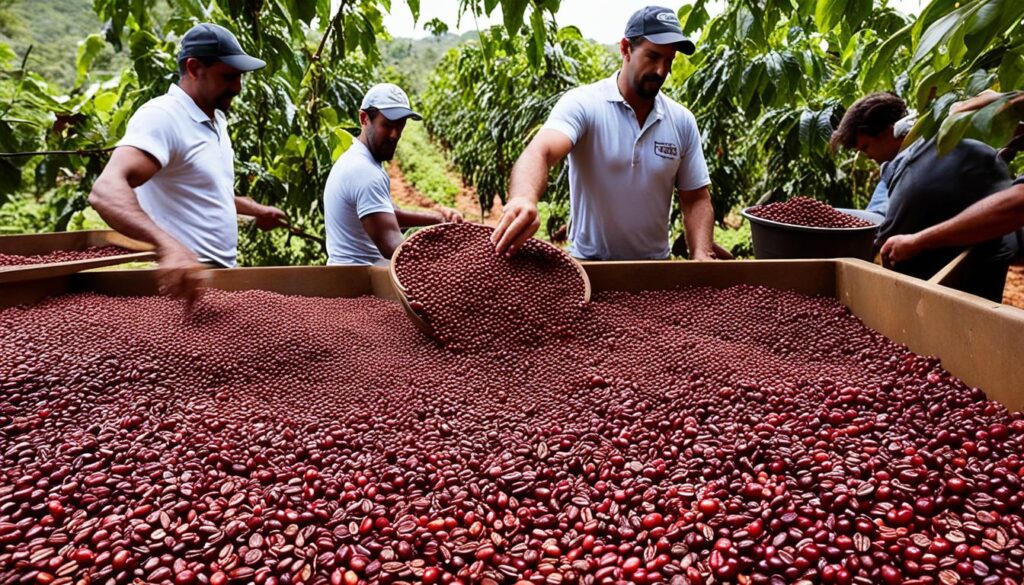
x=424 y=166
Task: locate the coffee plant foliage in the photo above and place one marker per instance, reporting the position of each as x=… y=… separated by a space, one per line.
x=768 y=84
x=291 y=121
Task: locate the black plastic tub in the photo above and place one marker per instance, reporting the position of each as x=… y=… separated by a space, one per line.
x=779 y=241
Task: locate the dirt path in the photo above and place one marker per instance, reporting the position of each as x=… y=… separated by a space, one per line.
x=407 y=196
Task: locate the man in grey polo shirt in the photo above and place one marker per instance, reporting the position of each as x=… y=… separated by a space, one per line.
x=363 y=225
x=170 y=181
x=629 y=148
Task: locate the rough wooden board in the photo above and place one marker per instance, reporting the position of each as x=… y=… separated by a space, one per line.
x=810 y=277
x=33 y=244
x=979 y=341
x=44 y=271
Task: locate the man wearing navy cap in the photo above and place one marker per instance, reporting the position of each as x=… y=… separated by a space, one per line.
x=629 y=148
x=170 y=181
x=363 y=225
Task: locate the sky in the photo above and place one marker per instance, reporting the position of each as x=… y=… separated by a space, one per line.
x=599 y=20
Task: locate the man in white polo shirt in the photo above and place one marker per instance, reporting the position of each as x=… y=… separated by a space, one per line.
x=363 y=225
x=629 y=147
x=170 y=181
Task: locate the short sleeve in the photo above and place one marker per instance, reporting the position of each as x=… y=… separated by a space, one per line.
x=569 y=116
x=151 y=130
x=693 y=169
x=373 y=197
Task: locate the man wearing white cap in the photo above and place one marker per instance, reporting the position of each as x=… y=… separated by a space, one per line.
x=363 y=225
x=170 y=181
x=629 y=148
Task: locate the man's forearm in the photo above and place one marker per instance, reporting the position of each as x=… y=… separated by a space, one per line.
x=699 y=222
x=529 y=176
x=246 y=206
x=119 y=207
x=408 y=219
x=992 y=217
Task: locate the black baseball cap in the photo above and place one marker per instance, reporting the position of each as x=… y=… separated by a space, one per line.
x=211 y=40
x=660 y=26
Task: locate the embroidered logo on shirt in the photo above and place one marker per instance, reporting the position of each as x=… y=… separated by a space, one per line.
x=666 y=150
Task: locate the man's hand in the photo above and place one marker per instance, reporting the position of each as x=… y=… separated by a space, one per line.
x=703 y=255
x=519 y=221
x=179 y=273
x=720 y=252
x=449 y=215
x=268 y=218
x=900 y=249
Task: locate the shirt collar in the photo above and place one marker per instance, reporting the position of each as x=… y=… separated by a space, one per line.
x=611 y=88
x=186 y=100
x=612 y=93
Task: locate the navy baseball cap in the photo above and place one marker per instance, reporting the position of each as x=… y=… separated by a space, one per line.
x=660 y=26
x=211 y=40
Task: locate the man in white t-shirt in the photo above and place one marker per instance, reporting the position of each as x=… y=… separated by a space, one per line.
x=363 y=225
x=629 y=148
x=170 y=181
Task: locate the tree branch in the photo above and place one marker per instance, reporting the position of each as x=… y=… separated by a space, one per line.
x=333 y=25
x=83 y=152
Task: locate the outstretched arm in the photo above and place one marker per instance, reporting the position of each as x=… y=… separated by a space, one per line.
x=519 y=219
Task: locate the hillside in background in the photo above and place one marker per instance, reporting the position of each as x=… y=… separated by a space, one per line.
x=414 y=59
x=53 y=29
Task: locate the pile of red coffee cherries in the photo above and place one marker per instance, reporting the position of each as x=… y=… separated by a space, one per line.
x=56 y=256
x=739 y=435
x=807 y=212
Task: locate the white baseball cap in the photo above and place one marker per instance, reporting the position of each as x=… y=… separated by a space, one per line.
x=390 y=100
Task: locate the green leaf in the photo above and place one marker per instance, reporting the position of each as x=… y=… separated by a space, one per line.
x=1011 y=70
x=7 y=55
x=938 y=33
x=414 y=8
x=323 y=10
x=513 y=12
x=305 y=10
x=996 y=122
x=88 y=50
x=696 y=17
x=931 y=12
x=828 y=13
x=538 y=39
x=807 y=122
x=104 y=102
x=952 y=131
x=935 y=84
x=880 y=69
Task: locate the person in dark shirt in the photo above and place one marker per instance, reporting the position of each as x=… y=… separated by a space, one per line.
x=926 y=189
x=992 y=217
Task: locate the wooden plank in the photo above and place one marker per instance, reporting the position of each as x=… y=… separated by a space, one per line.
x=810 y=277
x=35 y=244
x=45 y=271
x=979 y=341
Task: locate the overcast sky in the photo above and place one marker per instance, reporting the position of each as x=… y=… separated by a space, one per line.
x=600 y=20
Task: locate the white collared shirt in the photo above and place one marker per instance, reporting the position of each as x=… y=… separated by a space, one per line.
x=622 y=176
x=356 y=187
x=192 y=196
